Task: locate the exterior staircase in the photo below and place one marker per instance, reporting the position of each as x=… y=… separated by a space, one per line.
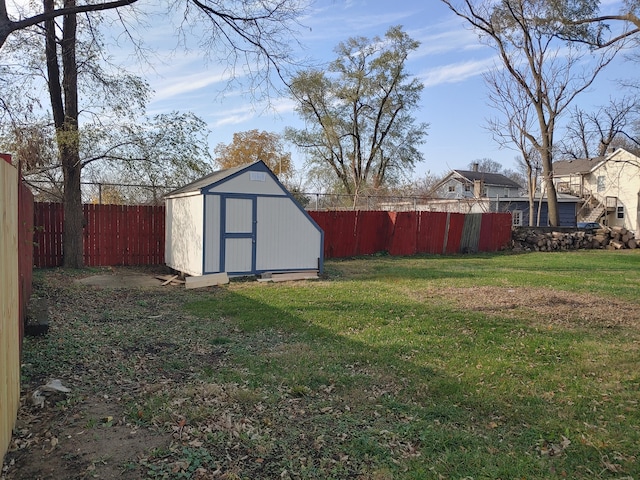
x=595 y=213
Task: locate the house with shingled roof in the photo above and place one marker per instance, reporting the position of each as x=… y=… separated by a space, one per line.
x=470 y=184
x=609 y=187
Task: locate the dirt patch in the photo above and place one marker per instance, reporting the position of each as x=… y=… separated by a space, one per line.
x=120 y=281
x=130 y=328
x=542 y=306
x=89 y=440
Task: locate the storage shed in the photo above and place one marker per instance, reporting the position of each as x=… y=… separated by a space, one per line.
x=241 y=221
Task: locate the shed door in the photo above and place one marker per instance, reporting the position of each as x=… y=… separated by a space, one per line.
x=238 y=254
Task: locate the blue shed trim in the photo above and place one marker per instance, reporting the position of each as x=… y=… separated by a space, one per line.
x=259 y=166
x=224 y=235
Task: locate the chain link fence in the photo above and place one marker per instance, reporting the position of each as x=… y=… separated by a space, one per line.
x=139 y=194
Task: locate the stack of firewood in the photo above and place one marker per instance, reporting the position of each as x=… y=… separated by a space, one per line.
x=620 y=238
x=531 y=239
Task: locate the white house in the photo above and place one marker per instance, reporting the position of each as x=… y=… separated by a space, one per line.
x=609 y=185
x=472 y=184
x=241 y=221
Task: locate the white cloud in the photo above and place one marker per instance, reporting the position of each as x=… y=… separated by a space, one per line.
x=182 y=84
x=456 y=72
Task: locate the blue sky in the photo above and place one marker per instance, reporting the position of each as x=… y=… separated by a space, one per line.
x=450 y=63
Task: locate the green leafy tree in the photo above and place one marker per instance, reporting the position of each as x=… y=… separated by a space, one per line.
x=360 y=131
x=582 y=21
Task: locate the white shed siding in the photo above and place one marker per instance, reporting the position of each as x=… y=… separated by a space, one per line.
x=241 y=221
x=259 y=183
x=239 y=215
x=184 y=234
x=212 y=234
x=286 y=240
x=237 y=255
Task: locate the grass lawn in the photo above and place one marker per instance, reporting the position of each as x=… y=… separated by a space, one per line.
x=468 y=367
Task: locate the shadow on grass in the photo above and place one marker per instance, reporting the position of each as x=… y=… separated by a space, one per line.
x=391 y=412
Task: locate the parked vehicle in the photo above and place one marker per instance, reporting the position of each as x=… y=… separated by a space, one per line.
x=589 y=226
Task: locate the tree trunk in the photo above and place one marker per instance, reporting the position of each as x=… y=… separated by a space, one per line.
x=72 y=244
x=552 y=203
x=547 y=172
x=64 y=105
x=72 y=233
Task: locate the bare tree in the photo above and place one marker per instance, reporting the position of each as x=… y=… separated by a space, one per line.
x=511 y=127
x=591 y=134
x=548 y=73
x=257 y=34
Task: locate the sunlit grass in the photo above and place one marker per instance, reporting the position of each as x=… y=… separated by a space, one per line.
x=482 y=395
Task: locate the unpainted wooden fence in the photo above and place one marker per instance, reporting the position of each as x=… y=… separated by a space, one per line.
x=16 y=228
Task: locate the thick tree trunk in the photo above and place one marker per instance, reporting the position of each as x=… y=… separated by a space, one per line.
x=73 y=220
x=547 y=174
x=552 y=203
x=72 y=236
x=64 y=105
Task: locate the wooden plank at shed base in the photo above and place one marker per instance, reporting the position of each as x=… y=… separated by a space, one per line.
x=207 y=280
x=285 y=277
x=168 y=280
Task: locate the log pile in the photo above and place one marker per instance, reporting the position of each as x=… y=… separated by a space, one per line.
x=538 y=240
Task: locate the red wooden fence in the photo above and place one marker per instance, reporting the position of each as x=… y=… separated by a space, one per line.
x=25 y=250
x=25 y=247
x=352 y=233
x=134 y=235
x=113 y=235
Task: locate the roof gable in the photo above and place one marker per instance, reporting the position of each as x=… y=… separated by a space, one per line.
x=584 y=166
x=216 y=177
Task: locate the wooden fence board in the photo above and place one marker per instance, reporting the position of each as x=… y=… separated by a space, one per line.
x=495 y=232
x=25 y=251
x=431 y=232
x=134 y=235
x=373 y=230
x=9 y=304
x=113 y=235
x=405 y=230
x=470 y=233
x=454 y=232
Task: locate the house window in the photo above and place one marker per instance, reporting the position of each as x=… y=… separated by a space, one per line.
x=467 y=187
x=452 y=188
x=620 y=212
x=601 y=184
x=506 y=192
x=516 y=218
